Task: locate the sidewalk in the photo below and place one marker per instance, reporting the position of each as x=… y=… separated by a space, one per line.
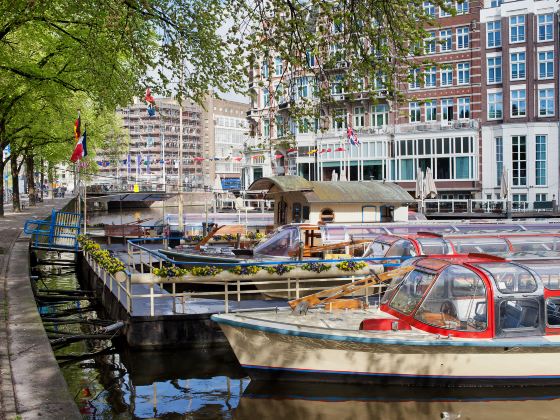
x=31 y=385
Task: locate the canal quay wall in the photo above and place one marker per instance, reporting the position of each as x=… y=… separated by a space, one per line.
x=157 y=331
x=31 y=383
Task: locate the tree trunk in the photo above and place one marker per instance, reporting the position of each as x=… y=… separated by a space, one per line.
x=2 y=191
x=15 y=181
x=30 y=173
x=42 y=178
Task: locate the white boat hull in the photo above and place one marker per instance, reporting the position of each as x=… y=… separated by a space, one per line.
x=276 y=351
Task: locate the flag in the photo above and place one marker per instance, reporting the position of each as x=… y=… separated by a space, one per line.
x=77 y=128
x=151 y=102
x=80 y=151
x=352 y=137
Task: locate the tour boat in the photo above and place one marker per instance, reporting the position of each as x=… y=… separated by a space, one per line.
x=448 y=320
x=429 y=243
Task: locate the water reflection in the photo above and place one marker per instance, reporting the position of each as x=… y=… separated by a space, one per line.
x=111 y=381
x=296 y=401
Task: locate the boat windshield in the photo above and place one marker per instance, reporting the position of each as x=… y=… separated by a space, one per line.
x=510 y=278
x=549 y=272
x=534 y=243
x=479 y=245
x=434 y=246
x=284 y=243
x=456 y=301
x=411 y=290
x=377 y=249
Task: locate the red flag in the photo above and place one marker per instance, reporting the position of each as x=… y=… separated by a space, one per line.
x=80 y=151
x=77 y=128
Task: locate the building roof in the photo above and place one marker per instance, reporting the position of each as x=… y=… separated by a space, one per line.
x=337 y=191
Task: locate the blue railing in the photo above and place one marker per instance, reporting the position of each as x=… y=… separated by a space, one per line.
x=59 y=232
x=386 y=261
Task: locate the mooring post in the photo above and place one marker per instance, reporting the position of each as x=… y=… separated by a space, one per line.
x=226 y=302
x=152 y=310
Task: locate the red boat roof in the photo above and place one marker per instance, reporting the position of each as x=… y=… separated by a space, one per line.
x=437 y=262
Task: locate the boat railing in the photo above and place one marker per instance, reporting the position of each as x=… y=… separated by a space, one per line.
x=486 y=206
x=229 y=287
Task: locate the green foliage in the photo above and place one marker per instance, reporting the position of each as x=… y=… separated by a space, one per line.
x=205 y=271
x=173 y=271
x=279 y=269
x=248 y=270
x=351 y=265
x=101 y=256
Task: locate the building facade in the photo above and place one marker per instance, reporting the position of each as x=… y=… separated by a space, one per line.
x=436 y=126
x=212 y=136
x=521 y=122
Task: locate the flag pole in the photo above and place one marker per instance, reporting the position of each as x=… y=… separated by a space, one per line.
x=85 y=194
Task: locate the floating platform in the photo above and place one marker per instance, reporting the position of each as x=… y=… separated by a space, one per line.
x=174 y=323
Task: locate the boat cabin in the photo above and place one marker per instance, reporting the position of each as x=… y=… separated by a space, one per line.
x=426 y=243
x=297 y=200
x=475 y=296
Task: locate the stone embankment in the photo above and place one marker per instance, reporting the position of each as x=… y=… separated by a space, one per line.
x=31 y=383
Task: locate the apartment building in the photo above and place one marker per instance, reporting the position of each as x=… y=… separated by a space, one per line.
x=521 y=122
x=212 y=140
x=225 y=131
x=437 y=126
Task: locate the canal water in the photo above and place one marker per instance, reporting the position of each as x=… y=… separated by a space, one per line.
x=110 y=381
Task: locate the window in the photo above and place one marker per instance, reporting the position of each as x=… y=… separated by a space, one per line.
x=499 y=159
x=493 y=34
x=446 y=40
x=446 y=76
x=339 y=119
x=517 y=66
x=462 y=167
x=457 y=301
x=411 y=291
x=407 y=169
x=429 y=8
x=517 y=29
x=264 y=70
x=414 y=112
x=278 y=66
x=302 y=87
x=379 y=115
x=495 y=3
x=495 y=106
x=519 y=160
x=414 y=79
x=430 y=77
x=541 y=197
x=553 y=312
x=359 y=116
x=540 y=160
x=464 y=107
x=280 y=128
x=266 y=97
x=327 y=216
x=431 y=110
x=463 y=73
x=266 y=128
x=545 y=27
x=494 y=69
x=463 y=7
x=447 y=109
x=519 y=202
x=546 y=65
x=430 y=44
x=463 y=38
x=448 y=5
x=546 y=102
x=518 y=103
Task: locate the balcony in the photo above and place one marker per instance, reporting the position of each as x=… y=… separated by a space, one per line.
x=436 y=126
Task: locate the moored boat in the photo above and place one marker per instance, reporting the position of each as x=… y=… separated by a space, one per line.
x=457 y=320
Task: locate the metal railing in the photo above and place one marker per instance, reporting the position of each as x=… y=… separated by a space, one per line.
x=59 y=232
x=234 y=287
x=486 y=206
